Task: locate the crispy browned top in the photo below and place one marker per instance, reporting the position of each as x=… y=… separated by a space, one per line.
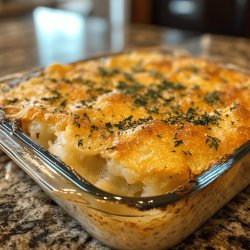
x=156 y=115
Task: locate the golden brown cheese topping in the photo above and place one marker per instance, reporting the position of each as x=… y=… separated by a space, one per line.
x=135 y=124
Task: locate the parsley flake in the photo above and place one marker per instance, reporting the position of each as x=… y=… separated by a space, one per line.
x=212 y=142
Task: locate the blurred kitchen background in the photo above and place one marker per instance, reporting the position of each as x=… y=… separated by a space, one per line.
x=40 y=32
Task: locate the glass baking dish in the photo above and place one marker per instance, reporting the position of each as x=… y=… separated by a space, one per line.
x=120 y=222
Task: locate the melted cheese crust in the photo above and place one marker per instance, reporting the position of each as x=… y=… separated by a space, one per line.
x=135 y=124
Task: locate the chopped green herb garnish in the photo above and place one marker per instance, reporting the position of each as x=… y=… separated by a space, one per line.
x=212 y=142
x=79 y=142
x=76 y=116
x=166 y=84
x=52 y=99
x=206 y=119
x=213 y=98
x=104 y=72
x=111 y=148
x=234 y=106
x=63 y=103
x=186 y=152
x=94 y=127
x=84 y=81
x=178 y=143
x=108 y=125
x=140 y=101
x=154 y=110
x=85 y=115
x=77 y=124
x=13 y=100
x=130 y=89
x=56 y=93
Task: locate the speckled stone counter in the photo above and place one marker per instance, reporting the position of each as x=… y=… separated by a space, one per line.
x=29 y=219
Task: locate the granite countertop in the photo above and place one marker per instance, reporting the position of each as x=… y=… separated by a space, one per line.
x=29 y=219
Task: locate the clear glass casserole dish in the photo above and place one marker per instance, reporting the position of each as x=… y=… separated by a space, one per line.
x=124 y=222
